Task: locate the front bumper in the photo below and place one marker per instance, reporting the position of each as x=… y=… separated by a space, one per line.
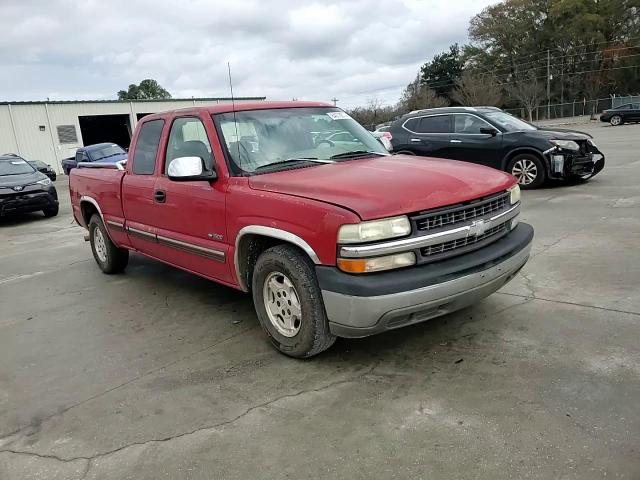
x=28 y=201
x=568 y=164
x=362 y=305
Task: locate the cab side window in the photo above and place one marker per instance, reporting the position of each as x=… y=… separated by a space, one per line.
x=144 y=156
x=469 y=124
x=188 y=138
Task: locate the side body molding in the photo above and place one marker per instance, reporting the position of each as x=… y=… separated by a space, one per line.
x=274 y=233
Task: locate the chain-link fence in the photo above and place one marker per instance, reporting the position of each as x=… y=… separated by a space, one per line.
x=576 y=108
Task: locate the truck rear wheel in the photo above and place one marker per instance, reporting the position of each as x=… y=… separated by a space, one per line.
x=289 y=303
x=108 y=256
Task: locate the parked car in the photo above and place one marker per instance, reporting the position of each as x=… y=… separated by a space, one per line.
x=44 y=168
x=492 y=137
x=100 y=152
x=629 y=112
x=329 y=240
x=24 y=189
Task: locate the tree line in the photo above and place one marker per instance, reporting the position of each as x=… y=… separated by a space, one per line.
x=527 y=53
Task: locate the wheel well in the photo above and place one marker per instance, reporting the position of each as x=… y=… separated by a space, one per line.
x=249 y=249
x=88 y=210
x=531 y=151
x=404 y=152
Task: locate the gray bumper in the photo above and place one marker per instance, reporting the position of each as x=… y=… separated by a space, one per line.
x=360 y=316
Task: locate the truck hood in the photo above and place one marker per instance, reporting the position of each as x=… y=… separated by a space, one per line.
x=114 y=159
x=387 y=186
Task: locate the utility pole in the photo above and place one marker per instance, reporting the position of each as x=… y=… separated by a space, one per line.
x=548 y=84
x=335 y=101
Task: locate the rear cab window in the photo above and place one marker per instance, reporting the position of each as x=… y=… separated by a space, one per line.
x=144 y=155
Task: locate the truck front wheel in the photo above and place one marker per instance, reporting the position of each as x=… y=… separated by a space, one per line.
x=108 y=256
x=289 y=303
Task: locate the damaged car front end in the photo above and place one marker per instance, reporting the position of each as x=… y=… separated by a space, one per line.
x=574 y=158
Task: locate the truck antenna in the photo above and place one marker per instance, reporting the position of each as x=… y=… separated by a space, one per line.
x=233 y=108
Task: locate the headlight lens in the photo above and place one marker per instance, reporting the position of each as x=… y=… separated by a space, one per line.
x=377 y=264
x=374 y=230
x=515 y=194
x=567 y=144
x=44 y=182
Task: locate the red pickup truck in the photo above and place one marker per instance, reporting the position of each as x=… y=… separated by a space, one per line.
x=331 y=237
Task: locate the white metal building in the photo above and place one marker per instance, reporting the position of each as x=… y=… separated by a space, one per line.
x=51 y=131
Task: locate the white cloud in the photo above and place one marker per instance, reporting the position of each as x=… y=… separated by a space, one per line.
x=350 y=49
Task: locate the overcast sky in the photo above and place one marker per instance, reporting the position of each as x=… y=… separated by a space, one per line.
x=353 y=50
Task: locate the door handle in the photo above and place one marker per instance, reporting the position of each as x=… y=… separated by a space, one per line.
x=415 y=140
x=160 y=196
x=455 y=141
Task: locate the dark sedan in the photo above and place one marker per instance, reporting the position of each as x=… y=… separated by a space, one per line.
x=44 y=168
x=629 y=112
x=24 y=189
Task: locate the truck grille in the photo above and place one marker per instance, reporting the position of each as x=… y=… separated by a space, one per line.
x=451 y=216
x=433 y=251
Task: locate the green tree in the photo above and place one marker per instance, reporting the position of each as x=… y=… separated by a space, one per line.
x=442 y=72
x=147 y=90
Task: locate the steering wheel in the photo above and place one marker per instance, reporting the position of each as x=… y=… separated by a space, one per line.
x=329 y=142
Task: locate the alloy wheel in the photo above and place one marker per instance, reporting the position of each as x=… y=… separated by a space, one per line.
x=282 y=304
x=525 y=171
x=100 y=245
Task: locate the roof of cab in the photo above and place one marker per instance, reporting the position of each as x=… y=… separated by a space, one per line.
x=239 y=107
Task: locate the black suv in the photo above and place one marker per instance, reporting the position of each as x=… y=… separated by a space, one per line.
x=24 y=189
x=489 y=136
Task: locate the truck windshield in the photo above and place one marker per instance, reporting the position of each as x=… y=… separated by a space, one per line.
x=509 y=122
x=105 y=152
x=14 y=166
x=262 y=140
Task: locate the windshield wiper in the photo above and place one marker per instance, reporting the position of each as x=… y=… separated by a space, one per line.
x=290 y=160
x=356 y=153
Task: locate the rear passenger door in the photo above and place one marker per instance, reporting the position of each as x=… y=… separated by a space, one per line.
x=634 y=114
x=429 y=135
x=470 y=145
x=138 y=188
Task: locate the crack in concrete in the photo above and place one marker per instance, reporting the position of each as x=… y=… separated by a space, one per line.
x=246 y=412
x=628 y=312
x=128 y=382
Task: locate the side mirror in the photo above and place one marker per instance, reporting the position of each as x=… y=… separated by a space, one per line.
x=185 y=169
x=489 y=131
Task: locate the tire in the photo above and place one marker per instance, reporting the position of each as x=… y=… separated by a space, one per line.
x=51 y=211
x=616 y=120
x=109 y=258
x=285 y=277
x=525 y=165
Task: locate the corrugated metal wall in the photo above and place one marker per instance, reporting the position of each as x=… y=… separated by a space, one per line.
x=33 y=132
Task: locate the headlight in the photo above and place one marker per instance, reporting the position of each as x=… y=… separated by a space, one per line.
x=567 y=144
x=377 y=264
x=44 y=182
x=374 y=230
x=515 y=194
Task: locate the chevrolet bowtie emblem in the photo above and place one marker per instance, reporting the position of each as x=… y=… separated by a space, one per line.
x=477 y=227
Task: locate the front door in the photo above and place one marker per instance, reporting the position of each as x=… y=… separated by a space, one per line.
x=190 y=215
x=470 y=145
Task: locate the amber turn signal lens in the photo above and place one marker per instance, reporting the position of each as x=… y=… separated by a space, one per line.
x=352 y=265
